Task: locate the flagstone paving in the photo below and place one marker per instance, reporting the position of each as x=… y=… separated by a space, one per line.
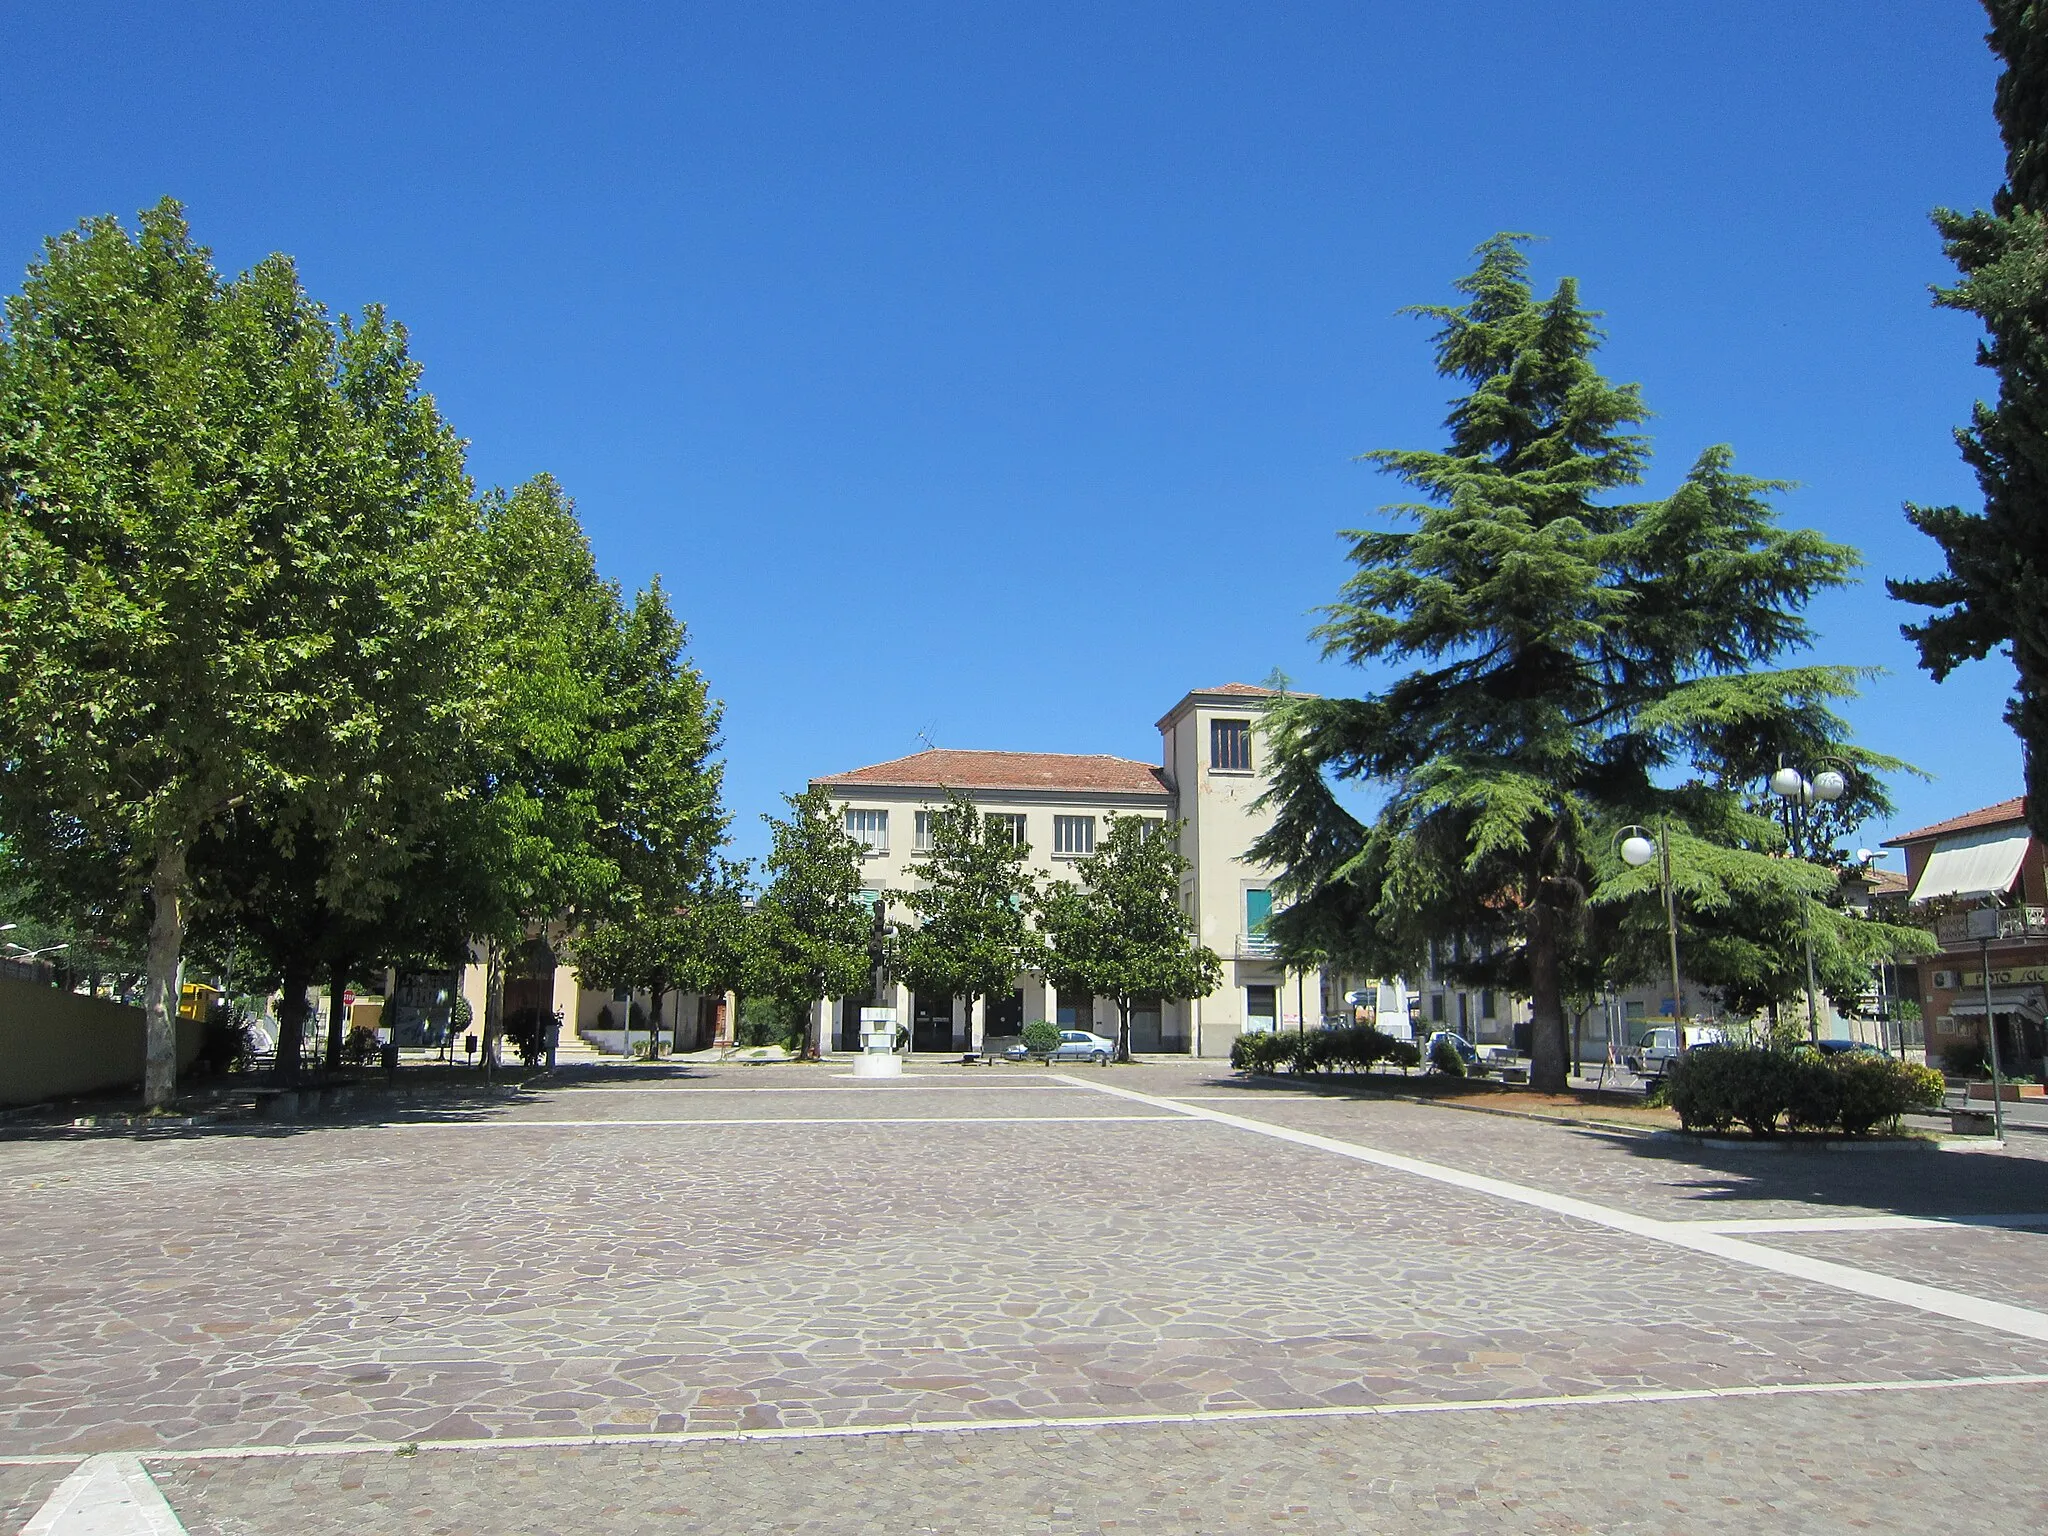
x=623 y=1254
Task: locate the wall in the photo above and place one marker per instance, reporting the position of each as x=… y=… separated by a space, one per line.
x=54 y=1044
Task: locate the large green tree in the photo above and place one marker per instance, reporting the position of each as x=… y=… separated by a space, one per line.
x=1584 y=662
x=1119 y=931
x=973 y=935
x=1993 y=593
x=814 y=926
x=210 y=500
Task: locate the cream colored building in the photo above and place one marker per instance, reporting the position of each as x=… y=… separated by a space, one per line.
x=1210 y=773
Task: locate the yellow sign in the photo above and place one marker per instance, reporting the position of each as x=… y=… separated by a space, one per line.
x=2013 y=978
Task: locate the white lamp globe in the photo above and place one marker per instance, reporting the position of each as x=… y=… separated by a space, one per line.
x=1637 y=851
x=1786 y=783
x=1830 y=785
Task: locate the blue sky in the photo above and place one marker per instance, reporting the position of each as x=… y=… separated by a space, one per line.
x=995 y=371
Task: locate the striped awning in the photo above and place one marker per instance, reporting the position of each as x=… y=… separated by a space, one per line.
x=1974 y=864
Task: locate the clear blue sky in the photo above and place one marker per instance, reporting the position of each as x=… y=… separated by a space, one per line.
x=995 y=370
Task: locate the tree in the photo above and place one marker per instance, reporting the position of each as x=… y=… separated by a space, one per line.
x=193 y=470
x=1993 y=593
x=973 y=936
x=1120 y=932
x=1578 y=654
x=814 y=927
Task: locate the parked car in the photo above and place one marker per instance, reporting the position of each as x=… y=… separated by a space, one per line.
x=1846 y=1048
x=1653 y=1054
x=1467 y=1053
x=1075 y=1045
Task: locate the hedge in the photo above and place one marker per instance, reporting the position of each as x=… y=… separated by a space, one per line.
x=1717 y=1087
x=1354 y=1048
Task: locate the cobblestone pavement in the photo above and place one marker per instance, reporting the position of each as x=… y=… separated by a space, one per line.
x=1912 y=1464
x=760 y=1248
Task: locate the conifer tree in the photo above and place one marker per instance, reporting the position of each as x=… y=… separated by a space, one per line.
x=1993 y=594
x=1584 y=663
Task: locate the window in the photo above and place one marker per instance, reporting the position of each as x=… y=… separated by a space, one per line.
x=1261 y=1010
x=1073 y=834
x=1258 y=912
x=1436 y=1007
x=1008 y=823
x=921 y=835
x=869 y=827
x=1230 y=746
x=1486 y=1004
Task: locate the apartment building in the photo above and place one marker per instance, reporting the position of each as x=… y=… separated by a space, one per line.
x=1210 y=774
x=1986 y=857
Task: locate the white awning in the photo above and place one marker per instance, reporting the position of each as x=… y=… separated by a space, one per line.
x=1974 y=864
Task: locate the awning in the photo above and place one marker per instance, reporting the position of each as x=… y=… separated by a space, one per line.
x=2004 y=1007
x=1974 y=864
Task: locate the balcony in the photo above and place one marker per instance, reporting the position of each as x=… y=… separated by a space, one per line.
x=2015 y=925
x=1257 y=947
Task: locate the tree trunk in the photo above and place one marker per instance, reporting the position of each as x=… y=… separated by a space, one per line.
x=160 y=996
x=1549 y=1072
x=337 y=1010
x=291 y=1017
x=494 y=1010
x=1123 y=1029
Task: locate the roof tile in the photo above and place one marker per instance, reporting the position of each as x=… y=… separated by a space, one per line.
x=2014 y=810
x=948 y=768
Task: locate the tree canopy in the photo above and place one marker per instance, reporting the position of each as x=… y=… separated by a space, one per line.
x=1578 y=662
x=1993 y=591
x=973 y=935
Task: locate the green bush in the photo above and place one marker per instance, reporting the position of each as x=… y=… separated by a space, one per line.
x=1042 y=1039
x=1445 y=1058
x=1716 y=1088
x=359 y=1047
x=1404 y=1053
x=229 y=1044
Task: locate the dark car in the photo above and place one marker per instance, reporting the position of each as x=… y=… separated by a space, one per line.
x=1846 y=1048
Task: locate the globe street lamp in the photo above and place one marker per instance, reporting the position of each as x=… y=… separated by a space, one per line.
x=1799 y=795
x=1638 y=846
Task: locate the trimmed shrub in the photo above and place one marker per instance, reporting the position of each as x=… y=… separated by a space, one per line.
x=1716 y=1088
x=1445 y=1058
x=1042 y=1039
x=1404 y=1053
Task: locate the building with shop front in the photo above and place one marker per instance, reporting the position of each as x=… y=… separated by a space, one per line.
x=1209 y=777
x=1987 y=858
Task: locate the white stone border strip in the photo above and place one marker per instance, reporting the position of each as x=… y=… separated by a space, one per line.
x=108 y=1495
x=326 y=1448
x=2000 y=1316
x=1868 y=1223
x=686 y=1120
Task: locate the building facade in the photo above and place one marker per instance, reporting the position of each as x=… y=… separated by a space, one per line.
x=1210 y=775
x=1968 y=863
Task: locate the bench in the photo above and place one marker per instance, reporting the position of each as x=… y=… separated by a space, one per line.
x=1971 y=1122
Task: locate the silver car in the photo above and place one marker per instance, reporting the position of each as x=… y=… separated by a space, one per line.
x=1075 y=1045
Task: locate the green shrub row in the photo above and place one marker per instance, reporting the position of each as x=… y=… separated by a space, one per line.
x=1718 y=1087
x=1354 y=1049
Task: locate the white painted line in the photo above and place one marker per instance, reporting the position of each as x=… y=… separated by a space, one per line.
x=1078 y=1421
x=880 y=1085
x=1867 y=1223
x=108 y=1495
x=1984 y=1313
x=519 y=1125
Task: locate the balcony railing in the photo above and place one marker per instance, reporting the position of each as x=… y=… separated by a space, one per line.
x=1256 y=946
x=1952 y=929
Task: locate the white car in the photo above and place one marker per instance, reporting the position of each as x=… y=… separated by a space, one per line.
x=1654 y=1053
x=1075 y=1045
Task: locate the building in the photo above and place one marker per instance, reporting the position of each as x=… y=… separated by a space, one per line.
x=1210 y=775
x=1988 y=857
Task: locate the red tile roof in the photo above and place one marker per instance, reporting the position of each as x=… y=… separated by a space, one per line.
x=2001 y=814
x=1245 y=689
x=944 y=767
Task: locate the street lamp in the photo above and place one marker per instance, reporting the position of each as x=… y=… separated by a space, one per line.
x=1800 y=794
x=1638 y=846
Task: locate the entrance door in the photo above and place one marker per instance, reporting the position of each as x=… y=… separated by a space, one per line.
x=1261 y=1010
x=931 y=1023
x=1145 y=1035
x=1003 y=1015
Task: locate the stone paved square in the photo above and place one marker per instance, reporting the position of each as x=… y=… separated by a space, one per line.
x=617 y=1262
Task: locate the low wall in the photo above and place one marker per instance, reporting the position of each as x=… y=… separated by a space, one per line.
x=54 y=1044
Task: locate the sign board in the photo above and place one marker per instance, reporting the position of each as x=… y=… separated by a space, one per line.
x=1984 y=922
x=2018 y=976
x=878 y=1015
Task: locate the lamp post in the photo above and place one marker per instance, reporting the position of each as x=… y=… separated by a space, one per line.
x=1799 y=794
x=1985 y=925
x=1638 y=846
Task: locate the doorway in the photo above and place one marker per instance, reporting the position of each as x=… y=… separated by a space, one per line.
x=1261 y=1010
x=1003 y=1015
x=931 y=1023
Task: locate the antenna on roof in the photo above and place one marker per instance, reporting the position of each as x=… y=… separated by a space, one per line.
x=925 y=736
